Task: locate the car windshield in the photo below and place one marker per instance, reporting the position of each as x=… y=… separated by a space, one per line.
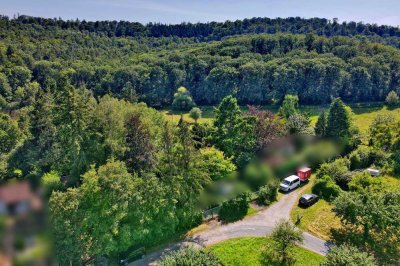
x=285 y=182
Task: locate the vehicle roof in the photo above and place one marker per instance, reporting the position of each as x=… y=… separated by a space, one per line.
x=308 y=196
x=291 y=178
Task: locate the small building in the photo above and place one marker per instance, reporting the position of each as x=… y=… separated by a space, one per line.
x=374 y=172
x=17 y=199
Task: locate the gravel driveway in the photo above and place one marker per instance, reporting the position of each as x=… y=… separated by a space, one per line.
x=260 y=224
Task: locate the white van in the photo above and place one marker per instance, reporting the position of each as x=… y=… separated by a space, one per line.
x=290 y=183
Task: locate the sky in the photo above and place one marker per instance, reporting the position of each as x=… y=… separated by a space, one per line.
x=176 y=11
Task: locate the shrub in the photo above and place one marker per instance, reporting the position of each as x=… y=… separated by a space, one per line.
x=360 y=158
x=189 y=256
x=268 y=193
x=380 y=158
x=336 y=170
x=285 y=236
x=392 y=99
x=182 y=100
x=234 y=209
x=326 y=188
x=299 y=124
x=50 y=182
x=345 y=255
x=195 y=114
x=364 y=181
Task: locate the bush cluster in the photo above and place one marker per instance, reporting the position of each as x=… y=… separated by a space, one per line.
x=337 y=170
x=360 y=158
x=234 y=209
x=268 y=193
x=326 y=188
x=189 y=256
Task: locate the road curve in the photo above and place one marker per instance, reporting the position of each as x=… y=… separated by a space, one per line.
x=260 y=224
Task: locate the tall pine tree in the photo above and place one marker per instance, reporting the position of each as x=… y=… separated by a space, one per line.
x=320 y=126
x=339 y=121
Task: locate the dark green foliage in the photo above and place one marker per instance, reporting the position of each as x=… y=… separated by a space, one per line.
x=396 y=156
x=339 y=121
x=140 y=151
x=202 y=134
x=234 y=134
x=129 y=93
x=189 y=256
x=9 y=133
x=346 y=255
x=326 y=188
x=321 y=125
x=360 y=158
x=268 y=193
x=216 y=30
x=234 y=209
x=258 y=69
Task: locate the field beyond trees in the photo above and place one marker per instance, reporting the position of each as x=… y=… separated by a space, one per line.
x=364 y=114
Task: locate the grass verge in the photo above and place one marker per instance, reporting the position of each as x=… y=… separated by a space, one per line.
x=247 y=251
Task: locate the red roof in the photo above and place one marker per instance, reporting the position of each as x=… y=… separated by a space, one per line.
x=14 y=193
x=304 y=169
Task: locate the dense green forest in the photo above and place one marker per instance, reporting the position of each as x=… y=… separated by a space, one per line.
x=77 y=120
x=217 y=30
x=258 y=69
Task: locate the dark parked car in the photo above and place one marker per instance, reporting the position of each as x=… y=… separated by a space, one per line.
x=308 y=199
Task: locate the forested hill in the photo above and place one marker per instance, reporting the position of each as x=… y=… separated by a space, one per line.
x=256 y=68
x=216 y=30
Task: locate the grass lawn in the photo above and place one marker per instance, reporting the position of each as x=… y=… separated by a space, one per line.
x=251 y=211
x=247 y=251
x=317 y=219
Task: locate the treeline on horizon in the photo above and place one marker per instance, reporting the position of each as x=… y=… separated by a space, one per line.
x=213 y=30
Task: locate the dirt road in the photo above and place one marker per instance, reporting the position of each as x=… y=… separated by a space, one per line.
x=260 y=224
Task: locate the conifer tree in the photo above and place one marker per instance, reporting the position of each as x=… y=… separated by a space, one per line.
x=339 y=122
x=320 y=126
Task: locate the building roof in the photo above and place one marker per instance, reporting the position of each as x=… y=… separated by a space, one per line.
x=15 y=193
